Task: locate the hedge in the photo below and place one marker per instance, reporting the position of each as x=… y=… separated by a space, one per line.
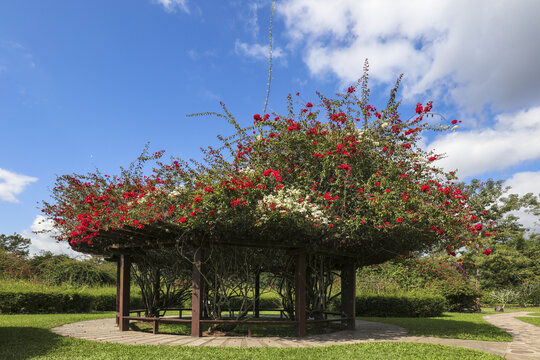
x=34 y=302
x=397 y=306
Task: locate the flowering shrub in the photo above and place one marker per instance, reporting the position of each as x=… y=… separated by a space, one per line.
x=339 y=174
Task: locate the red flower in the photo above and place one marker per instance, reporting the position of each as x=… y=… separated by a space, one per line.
x=406 y=146
x=399 y=220
x=404 y=175
x=419 y=108
x=425 y=188
x=454 y=122
x=209 y=189
x=257 y=117
x=478 y=227
x=487 y=251
x=309 y=104
x=377 y=183
x=267 y=172
x=182 y=219
x=351 y=89
x=197 y=199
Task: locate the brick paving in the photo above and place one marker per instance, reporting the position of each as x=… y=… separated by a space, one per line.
x=525 y=344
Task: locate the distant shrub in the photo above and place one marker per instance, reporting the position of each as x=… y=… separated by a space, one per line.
x=396 y=305
x=36 y=299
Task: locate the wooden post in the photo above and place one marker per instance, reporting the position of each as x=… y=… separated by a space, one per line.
x=348 y=293
x=196 y=295
x=118 y=292
x=257 y=294
x=300 y=294
x=125 y=281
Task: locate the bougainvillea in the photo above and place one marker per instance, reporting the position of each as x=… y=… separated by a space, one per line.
x=334 y=174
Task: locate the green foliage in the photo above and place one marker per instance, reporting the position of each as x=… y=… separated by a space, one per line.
x=460 y=296
x=436 y=275
x=61 y=269
x=507 y=267
x=409 y=305
x=15 y=244
x=26 y=297
x=13 y=266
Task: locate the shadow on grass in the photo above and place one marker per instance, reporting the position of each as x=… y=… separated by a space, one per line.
x=447 y=328
x=26 y=342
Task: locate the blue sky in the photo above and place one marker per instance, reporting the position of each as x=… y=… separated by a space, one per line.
x=86 y=84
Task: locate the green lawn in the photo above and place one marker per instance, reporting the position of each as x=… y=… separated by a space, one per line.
x=28 y=337
x=450 y=325
x=530 y=320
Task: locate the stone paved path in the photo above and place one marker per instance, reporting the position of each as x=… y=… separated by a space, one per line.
x=526 y=337
x=526 y=344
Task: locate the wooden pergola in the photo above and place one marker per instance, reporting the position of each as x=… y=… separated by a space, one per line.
x=161 y=236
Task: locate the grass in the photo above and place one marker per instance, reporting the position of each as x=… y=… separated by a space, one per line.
x=530 y=320
x=450 y=325
x=28 y=337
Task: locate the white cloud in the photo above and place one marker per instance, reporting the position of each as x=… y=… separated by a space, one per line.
x=477 y=52
x=523 y=183
x=45 y=241
x=12 y=184
x=257 y=51
x=173 y=5
x=513 y=139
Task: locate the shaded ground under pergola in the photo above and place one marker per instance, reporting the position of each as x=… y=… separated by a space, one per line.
x=154 y=237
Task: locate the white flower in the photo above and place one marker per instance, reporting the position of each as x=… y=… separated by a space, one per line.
x=384 y=124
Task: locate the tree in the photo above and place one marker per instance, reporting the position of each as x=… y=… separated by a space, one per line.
x=15 y=244
x=340 y=175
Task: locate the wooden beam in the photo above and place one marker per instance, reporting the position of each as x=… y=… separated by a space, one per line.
x=256 y=305
x=348 y=294
x=300 y=294
x=196 y=295
x=125 y=281
x=117 y=292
